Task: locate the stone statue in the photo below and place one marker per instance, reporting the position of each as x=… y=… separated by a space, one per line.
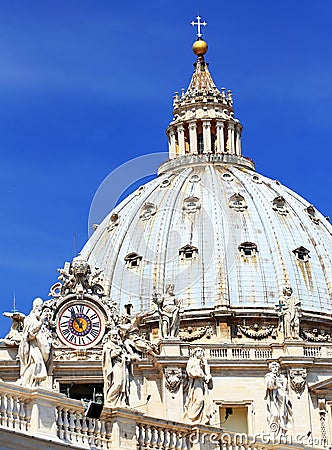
x=34 y=349
x=14 y=336
x=279 y=407
x=134 y=343
x=169 y=309
x=116 y=370
x=197 y=406
x=290 y=313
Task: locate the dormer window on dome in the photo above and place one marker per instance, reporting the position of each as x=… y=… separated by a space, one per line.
x=248 y=249
x=133 y=260
x=279 y=205
x=113 y=222
x=237 y=202
x=302 y=254
x=191 y=205
x=148 y=210
x=312 y=214
x=188 y=252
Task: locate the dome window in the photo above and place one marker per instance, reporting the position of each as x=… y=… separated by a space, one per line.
x=237 y=202
x=312 y=214
x=248 y=249
x=194 y=178
x=113 y=222
x=279 y=205
x=133 y=260
x=191 y=205
x=227 y=176
x=188 y=252
x=165 y=183
x=148 y=210
x=256 y=179
x=302 y=253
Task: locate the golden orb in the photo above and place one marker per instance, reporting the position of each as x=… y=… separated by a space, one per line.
x=200 y=47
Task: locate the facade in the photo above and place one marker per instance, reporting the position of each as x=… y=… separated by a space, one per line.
x=197 y=316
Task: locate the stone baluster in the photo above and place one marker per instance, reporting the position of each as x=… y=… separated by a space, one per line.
x=172 y=440
x=108 y=433
x=193 y=137
x=141 y=434
x=9 y=411
x=65 y=424
x=160 y=439
x=61 y=434
x=72 y=417
x=84 y=430
x=78 y=428
x=103 y=434
x=184 y=441
x=166 y=439
x=27 y=417
x=21 y=414
x=181 y=140
x=220 y=136
x=91 y=429
x=146 y=436
x=153 y=439
x=177 y=440
x=172 y=143
x=16 y=407
x=207 y=135
x=2 y=410
x=97 y=433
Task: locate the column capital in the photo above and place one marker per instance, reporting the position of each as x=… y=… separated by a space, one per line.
x=206 y=123
x=220 y=123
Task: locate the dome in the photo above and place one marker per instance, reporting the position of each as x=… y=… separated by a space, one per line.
x=193 y=226
x=225 y=236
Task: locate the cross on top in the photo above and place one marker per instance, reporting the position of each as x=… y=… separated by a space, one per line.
x=199 y=24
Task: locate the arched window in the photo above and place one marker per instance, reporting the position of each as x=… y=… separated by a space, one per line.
x=200 y=143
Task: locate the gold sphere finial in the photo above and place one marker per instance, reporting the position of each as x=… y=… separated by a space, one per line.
x=200 y=47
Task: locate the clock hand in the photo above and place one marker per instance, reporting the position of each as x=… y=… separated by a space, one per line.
x=76 y=319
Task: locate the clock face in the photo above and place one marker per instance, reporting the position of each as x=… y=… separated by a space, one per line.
x=80 y=325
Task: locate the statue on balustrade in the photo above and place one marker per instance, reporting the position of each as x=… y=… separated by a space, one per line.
x=169 y=309
x=134 y=342
x=290 y=313
x=14 y=336
x=279 y=406
x=117 y=362
x=35 y=347
x=197 y=406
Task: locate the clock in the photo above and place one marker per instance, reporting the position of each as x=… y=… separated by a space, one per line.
x=80 y=324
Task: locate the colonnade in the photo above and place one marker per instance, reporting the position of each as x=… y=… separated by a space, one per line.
x=205 y=136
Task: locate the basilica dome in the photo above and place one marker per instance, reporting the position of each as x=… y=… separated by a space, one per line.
x=227 y=237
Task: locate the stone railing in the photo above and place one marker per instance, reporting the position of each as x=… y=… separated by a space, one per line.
x=48 y=420
x=15 y=408
x=74 y=427
x=240 y=353
x=264 y=353
x=162 y=435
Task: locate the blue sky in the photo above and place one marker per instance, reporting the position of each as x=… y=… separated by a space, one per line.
x=87 y=85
